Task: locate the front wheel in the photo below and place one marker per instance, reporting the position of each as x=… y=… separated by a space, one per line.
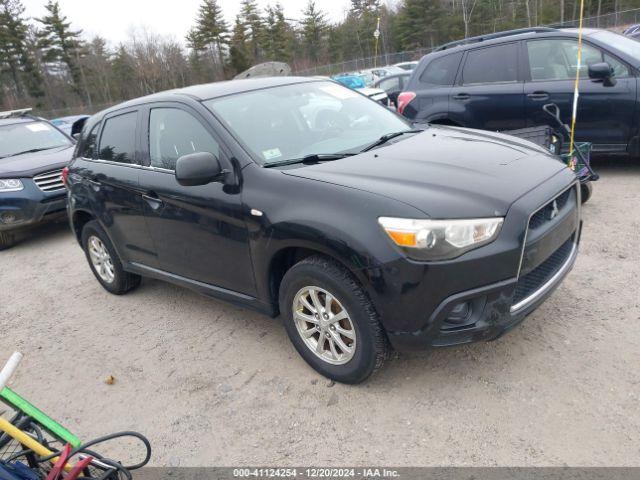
x=7 y=240
x=331 y=321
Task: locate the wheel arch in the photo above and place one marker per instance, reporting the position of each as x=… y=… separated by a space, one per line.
x=78 y=220
x=287 y=256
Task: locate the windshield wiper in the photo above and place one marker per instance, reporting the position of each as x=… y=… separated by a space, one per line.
x=389 y=136
x=311 y=159
x=33 y=150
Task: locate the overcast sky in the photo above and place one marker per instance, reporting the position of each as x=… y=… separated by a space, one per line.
x=114 y=19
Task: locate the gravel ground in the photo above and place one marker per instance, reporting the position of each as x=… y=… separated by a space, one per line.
x=212 y=384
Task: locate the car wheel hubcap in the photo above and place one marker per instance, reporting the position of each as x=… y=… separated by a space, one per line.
x=324 y=325
x=100 y=259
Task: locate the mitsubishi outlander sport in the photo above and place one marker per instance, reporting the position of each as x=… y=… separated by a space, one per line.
x=301 y=198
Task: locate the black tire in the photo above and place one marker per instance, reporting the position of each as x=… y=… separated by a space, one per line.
x=586 y=190
x=372 y=347
x=123 y=282
x=7 y=240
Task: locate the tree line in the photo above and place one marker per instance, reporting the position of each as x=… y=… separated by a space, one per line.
x=46 y=64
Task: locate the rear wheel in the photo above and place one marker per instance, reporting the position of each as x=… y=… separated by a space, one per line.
x=104 y=261
x=7 y=240
x=331 y=321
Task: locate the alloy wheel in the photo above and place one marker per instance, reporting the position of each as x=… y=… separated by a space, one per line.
x=324 y=325
x=100 y=259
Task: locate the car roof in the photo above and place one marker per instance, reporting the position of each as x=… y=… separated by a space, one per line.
x=16 y=120
x=209 y=91
x=510 y=36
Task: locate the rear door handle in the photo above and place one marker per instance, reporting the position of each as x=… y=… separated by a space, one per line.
x=153 y=200
x=538 y=95
x=462 y=96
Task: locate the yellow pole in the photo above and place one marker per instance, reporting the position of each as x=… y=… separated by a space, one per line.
x=28 y=442
x=576 y=88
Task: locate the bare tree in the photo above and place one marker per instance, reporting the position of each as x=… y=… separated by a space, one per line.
x=467 y=11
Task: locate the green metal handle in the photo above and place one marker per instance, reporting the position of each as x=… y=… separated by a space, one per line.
x=14 y=400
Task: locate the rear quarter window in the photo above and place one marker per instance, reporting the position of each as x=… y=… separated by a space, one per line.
x=87 y=144
x=442 y=71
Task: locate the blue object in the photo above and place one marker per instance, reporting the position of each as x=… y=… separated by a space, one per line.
x=16 y=471
x=351 y=81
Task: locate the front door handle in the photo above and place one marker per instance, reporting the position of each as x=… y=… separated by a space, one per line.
x=462 y=96
x=538 y=96
x=153 y=201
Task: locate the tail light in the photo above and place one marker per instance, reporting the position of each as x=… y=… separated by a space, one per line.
x=403 y=100
x=65 y=174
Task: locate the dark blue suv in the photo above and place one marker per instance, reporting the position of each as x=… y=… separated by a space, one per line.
x=33 y=154
x=501 y=81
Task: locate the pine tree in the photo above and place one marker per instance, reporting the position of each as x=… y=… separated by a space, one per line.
x=211 y=32
x=279 y=35
x=15 y=56
x=419 y=23
x=253 y=29
x=314 y=31
x=123 y=73
x=60 y=45
x=239 y=55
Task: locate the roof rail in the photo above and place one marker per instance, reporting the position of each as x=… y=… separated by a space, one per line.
x=491 y=36
x=15 y=113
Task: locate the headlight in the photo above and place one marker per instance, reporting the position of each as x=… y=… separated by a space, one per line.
x=10 y=185
x=440 y=239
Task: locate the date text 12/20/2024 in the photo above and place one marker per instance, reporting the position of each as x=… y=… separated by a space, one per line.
x=315 y=473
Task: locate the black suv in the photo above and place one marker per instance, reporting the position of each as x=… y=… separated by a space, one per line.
x=303 y=198
x=33 y=154
x=501 y=81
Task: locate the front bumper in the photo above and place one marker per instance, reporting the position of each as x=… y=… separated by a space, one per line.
x=494 y=312
x=30 y=206
x=495 y=287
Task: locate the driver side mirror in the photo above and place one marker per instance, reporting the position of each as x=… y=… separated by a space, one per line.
x=602 y=72
x=198 y=169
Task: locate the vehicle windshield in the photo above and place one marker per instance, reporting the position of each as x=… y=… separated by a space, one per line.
x=292 y=121
x=625 y=44
x=17 y=138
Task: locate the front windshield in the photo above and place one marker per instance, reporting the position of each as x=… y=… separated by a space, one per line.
x=292 y=121
x=17 y=138
x=625 y=44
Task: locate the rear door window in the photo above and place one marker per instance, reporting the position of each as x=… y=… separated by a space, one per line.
x=498 y=64
x=118 y=140
x=441 y=71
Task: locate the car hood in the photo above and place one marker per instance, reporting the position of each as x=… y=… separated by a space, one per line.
x=445 y=172
x=31 y=164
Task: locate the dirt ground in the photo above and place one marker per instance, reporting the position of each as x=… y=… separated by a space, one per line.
x=212 y=384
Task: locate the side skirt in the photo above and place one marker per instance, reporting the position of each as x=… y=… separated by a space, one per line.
x=230 y=296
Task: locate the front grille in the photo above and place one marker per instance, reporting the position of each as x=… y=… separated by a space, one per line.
x=49 y=181
x=545 y=214
x=536 y=278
